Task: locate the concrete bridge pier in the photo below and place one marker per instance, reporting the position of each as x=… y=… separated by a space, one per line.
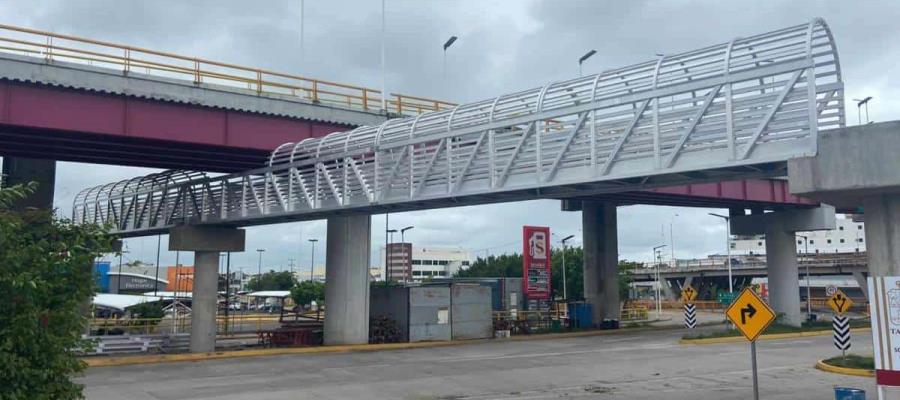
x=20 y=170
x=780 y=228
x=206 y=243
x=347 y=256
x=601 y=258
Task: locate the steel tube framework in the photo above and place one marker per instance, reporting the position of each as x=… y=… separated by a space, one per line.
x=736 y=109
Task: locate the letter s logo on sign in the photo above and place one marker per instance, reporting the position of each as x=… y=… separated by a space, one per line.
x=537 y=245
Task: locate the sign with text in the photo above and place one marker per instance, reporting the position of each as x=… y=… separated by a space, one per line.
x=181 y=279
x=884 y=307
x=536 y=262
x=750 y=314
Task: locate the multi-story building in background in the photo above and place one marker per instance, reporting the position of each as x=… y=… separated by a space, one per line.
x=849 y=236
x=408 y=263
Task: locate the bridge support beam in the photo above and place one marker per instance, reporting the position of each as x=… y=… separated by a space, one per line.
x=601 y=259
x=206 y=243
x=781 y=251
x=347 y=256
x=19 y=170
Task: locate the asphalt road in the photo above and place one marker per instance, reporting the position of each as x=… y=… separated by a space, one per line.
x=647 y=365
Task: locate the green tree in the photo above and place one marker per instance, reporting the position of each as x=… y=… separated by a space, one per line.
x=308 y=291
x=46 y=283
x=272 y=281
x=504 y=265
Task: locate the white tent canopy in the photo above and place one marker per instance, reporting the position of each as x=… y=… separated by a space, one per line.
x=121 y=301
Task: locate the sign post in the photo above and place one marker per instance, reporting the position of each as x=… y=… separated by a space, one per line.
x=688 y=294
x=840 y=303
x=751 y=315
x=536 y=266
x=884 y=309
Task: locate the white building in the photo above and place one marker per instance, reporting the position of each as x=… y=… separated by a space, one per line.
x=848 y=237
x=434 y=261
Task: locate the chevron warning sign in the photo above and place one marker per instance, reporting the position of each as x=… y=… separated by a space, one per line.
x=841 y=326
x=690 y=315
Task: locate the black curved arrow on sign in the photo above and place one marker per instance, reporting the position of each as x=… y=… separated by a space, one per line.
x=745 y=312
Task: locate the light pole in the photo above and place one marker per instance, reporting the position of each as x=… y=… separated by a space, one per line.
x=805 y=255
x=584 y=58
x=383 y=61
x=564 y=240
x=672 y=240
x=859 y=104
x=407 y=261
x=447 y=45
x=312 y=258
x=655 y=254
x=259 y=269
x=121 y=255
x=727 y=247
x=387 y=250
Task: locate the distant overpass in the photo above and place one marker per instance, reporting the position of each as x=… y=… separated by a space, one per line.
x=76 y=99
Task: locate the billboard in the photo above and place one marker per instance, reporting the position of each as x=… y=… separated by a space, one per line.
x=181 y=279
x=536 y=262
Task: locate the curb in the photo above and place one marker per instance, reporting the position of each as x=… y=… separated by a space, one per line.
x=867 y=373
x=773 y=336
x=220 y=355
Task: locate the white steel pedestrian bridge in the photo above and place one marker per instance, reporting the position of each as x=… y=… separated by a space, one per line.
x=733 y=110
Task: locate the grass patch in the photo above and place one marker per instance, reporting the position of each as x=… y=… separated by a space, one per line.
x=816 y=326
x=852 y=361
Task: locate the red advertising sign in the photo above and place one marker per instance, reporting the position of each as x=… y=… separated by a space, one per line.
x=536 y=260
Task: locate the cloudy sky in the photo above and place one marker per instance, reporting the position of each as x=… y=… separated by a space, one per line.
x=503 y=46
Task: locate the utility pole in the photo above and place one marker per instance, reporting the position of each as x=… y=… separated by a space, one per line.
x=312 y=258
x=727 y=248
x=564 y=240
x=408 y=259
x=656 y=255
x=806 y=259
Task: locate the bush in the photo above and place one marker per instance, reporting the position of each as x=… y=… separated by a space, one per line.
x=46 y=286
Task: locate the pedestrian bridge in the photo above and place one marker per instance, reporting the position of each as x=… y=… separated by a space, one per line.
x=734 y=110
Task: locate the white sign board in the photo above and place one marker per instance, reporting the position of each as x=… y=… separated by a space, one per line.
x=884 y=292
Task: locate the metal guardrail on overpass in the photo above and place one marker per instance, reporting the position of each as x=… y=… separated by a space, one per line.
x=734 y=110
x=130 y=59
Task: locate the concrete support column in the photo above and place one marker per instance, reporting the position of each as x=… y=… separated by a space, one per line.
x=347 y=256
x=601 y=259
x=206 y=242
x=883 y=234
x=781 y=265
x=19 y=170
x=204 y=303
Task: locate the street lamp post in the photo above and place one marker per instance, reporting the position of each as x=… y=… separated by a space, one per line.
x=312 y=258
x=859 y=104
x=584 y=58
x=564 y=240
x=727 y=247
x=259 y=275
x=808 y=298
x=387 y=250
x=447 y=45
x=658 y=299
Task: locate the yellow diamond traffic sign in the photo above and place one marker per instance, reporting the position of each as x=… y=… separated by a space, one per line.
x=750 y=314
x=688 y=294
x=839 y=302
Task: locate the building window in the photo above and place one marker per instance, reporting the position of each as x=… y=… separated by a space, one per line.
x=466 y=263
x=842 y=240
x=799 y=242
x=759 y=244
x=859 y=227
x=829 y=241
x=812 y=242
x=416 y=262
x=840 y=228
x=860 y=240
x=428 y=262
x=733 y=245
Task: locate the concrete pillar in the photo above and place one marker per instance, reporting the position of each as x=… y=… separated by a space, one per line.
x=781 y=265
x=206 y=243
x=204 y=303
x=347 y=256
x=601 y=259
x=883 y=234
x=18 y=170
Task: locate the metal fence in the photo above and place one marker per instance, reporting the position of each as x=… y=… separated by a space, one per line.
x=54 y=47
